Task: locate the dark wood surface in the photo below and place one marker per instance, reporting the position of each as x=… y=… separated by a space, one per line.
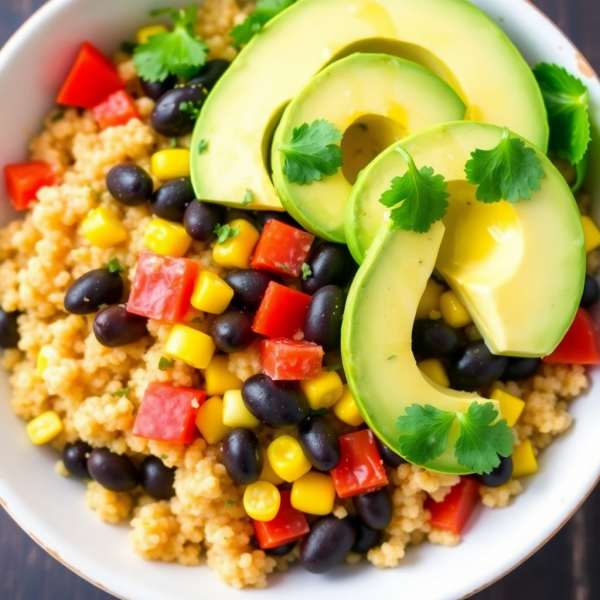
x=567 y=568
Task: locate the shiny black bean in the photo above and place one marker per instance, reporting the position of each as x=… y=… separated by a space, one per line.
x=500 y=475
x=201 y=218
x=281 y=550
x=233 y=214
x=249 y=287
x=323 y=320
x=157 y=479
x=129 y=184
x=521 y=368
x=474 y=367
x=9 y=331
x=330 y=264
x=157 y=89
x=210 y=73
x=176 y=112
x=242 y=456
x=75 y=457
x=264 y=216
x=114 y=327
x=375 y=508
x=327 y=544
x=115 y=472
x=278 y=404
x=92 y=290
x=171 y=200
x=591 y=292
x=232 y=331
x=320 y=443
x=389 y=457
x=434 y=338
x=366 y=537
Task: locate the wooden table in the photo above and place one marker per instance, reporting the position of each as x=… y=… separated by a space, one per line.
x=567 y=568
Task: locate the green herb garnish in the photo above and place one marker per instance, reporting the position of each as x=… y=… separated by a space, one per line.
x=225 y=232
x=197 y=320
x=265 y=10
x=306 y=271
x=173 y=142
x=189 y=108
x=114 y=266
x=164 y=456
x=333 y=367
x=165 y=363
x=57 y=116
x=391 y=357
x=202 y=146
x=120 y=393
x=230 y=503
x=248 y=197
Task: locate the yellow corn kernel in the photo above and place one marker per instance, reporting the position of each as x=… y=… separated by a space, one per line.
x=144 y=34
x=190 y=346
x=313 y=493
x=591 y=232
x=324 y=391
x=235 y=413
x=166 y=238
x=434 y=369
x=43 y=358
x=211 y=294
x=218 y=378
x=453 y=310
x=235 y=253
x=346 y=410
x=268 y=474
x=102 y=228
x=44 y=428
x=510 y=407
x=524 y=461
x=430 y=300
x=210 y=420
x=262 y=501
x=171 y=163
x=287 y=458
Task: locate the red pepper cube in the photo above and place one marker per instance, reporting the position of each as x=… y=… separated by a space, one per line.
x=288 y=525
x=361 y=468
x=291 y=360
x=581 y=344
x=23 y=181
x=162 y=287
x=454 y=510
x=281 y=312
x=118 y=109
x=281 y=249
x=168 y=413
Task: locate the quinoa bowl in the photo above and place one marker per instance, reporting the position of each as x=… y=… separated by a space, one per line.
x=50 y=508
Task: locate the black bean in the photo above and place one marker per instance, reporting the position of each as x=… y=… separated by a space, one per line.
x=249 y=286
x=278 y=404
x=323 y=320
x=366 y=537
x=9 y=331
x=500 y=475
x=210 y=73
x=176 y=112
x=474 y=367
x=434 y=338
x=157 y=89
x=320 y=443
x=375 y=508
x=242 y=456
x=129 y=184
x=92 y=290
x=234 y=214
x=591 y=292
x=327 y=544
x=330 y=264
x=171 y=200
x=75 y=457
x=114 y=327
x=281 y=550
x=389 y=457
x=521 y=368
x=201 y=218
x=115 y=472
x=264 y=216
x=157 y=479
x=232 y=331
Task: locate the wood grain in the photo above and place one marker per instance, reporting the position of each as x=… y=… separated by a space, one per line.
x=565 y=569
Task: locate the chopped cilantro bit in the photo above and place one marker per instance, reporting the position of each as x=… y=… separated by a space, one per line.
x=164 y=456
x=306 y=271
x=225 y=232
x=57 y=116
x=120 y=393
x=248 y=197
x=202 y=146
x=128 y=47
x=190 y=108
x=114 y=266
x=230 y=503
x=165 y=363
x=197 y=320
x=333 y=367
x=391 y=357
x=265 y=10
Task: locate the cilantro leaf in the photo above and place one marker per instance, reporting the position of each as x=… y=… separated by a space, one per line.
x=265 y=10
x=567 y=101
x=422 y=194
x=202 y=146
x=248 y=197
x=114 y=266
x=165 y=363
x=179 y=52
x=120 y=393
x=510 y=171
x=306 y=271
x=312 y=152
x=225 y=232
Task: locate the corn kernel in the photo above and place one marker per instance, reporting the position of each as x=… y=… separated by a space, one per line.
x=453 y=310
x=44 y=428
x=171 y=163
x=324 y=391
x=43 y=359
x=167 y=238
x=144 y=34
x=210 y=420
x=211 y=294
x=434 y=369
x=524 y=461
x=235 y=253
x=346 y=410
x=235 y=413
x=190 y=346
x=262 y=501
x=102 y=228
x=218 y=378
x=430 y=300
x=313 y=493
x=287 y=458
x=268 y=474
x=591 y=232
x=510 y=407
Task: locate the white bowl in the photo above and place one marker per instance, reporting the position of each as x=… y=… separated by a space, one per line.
x=51 y=509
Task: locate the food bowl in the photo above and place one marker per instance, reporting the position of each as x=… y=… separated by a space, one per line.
x=51 y=509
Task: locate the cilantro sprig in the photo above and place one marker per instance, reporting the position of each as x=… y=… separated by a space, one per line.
x=226 y=232
x=265 y=10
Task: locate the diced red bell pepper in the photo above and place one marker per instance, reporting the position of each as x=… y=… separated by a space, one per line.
x=284 y=359
x=454 y=510
x=288 y=525
x=168 y=413
x=92 y=79
x=118 y=109
x=581 y=344
x=162 y=287
x=281 y=249
x=281 y=312
x=23 y=180
x=361 y=468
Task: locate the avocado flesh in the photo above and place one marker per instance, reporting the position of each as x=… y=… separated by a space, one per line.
x=518 y=268
x=377 y=99
x=241 y=111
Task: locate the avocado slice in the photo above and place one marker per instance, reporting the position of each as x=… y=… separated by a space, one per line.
x=377 y=99
x=453 y=37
